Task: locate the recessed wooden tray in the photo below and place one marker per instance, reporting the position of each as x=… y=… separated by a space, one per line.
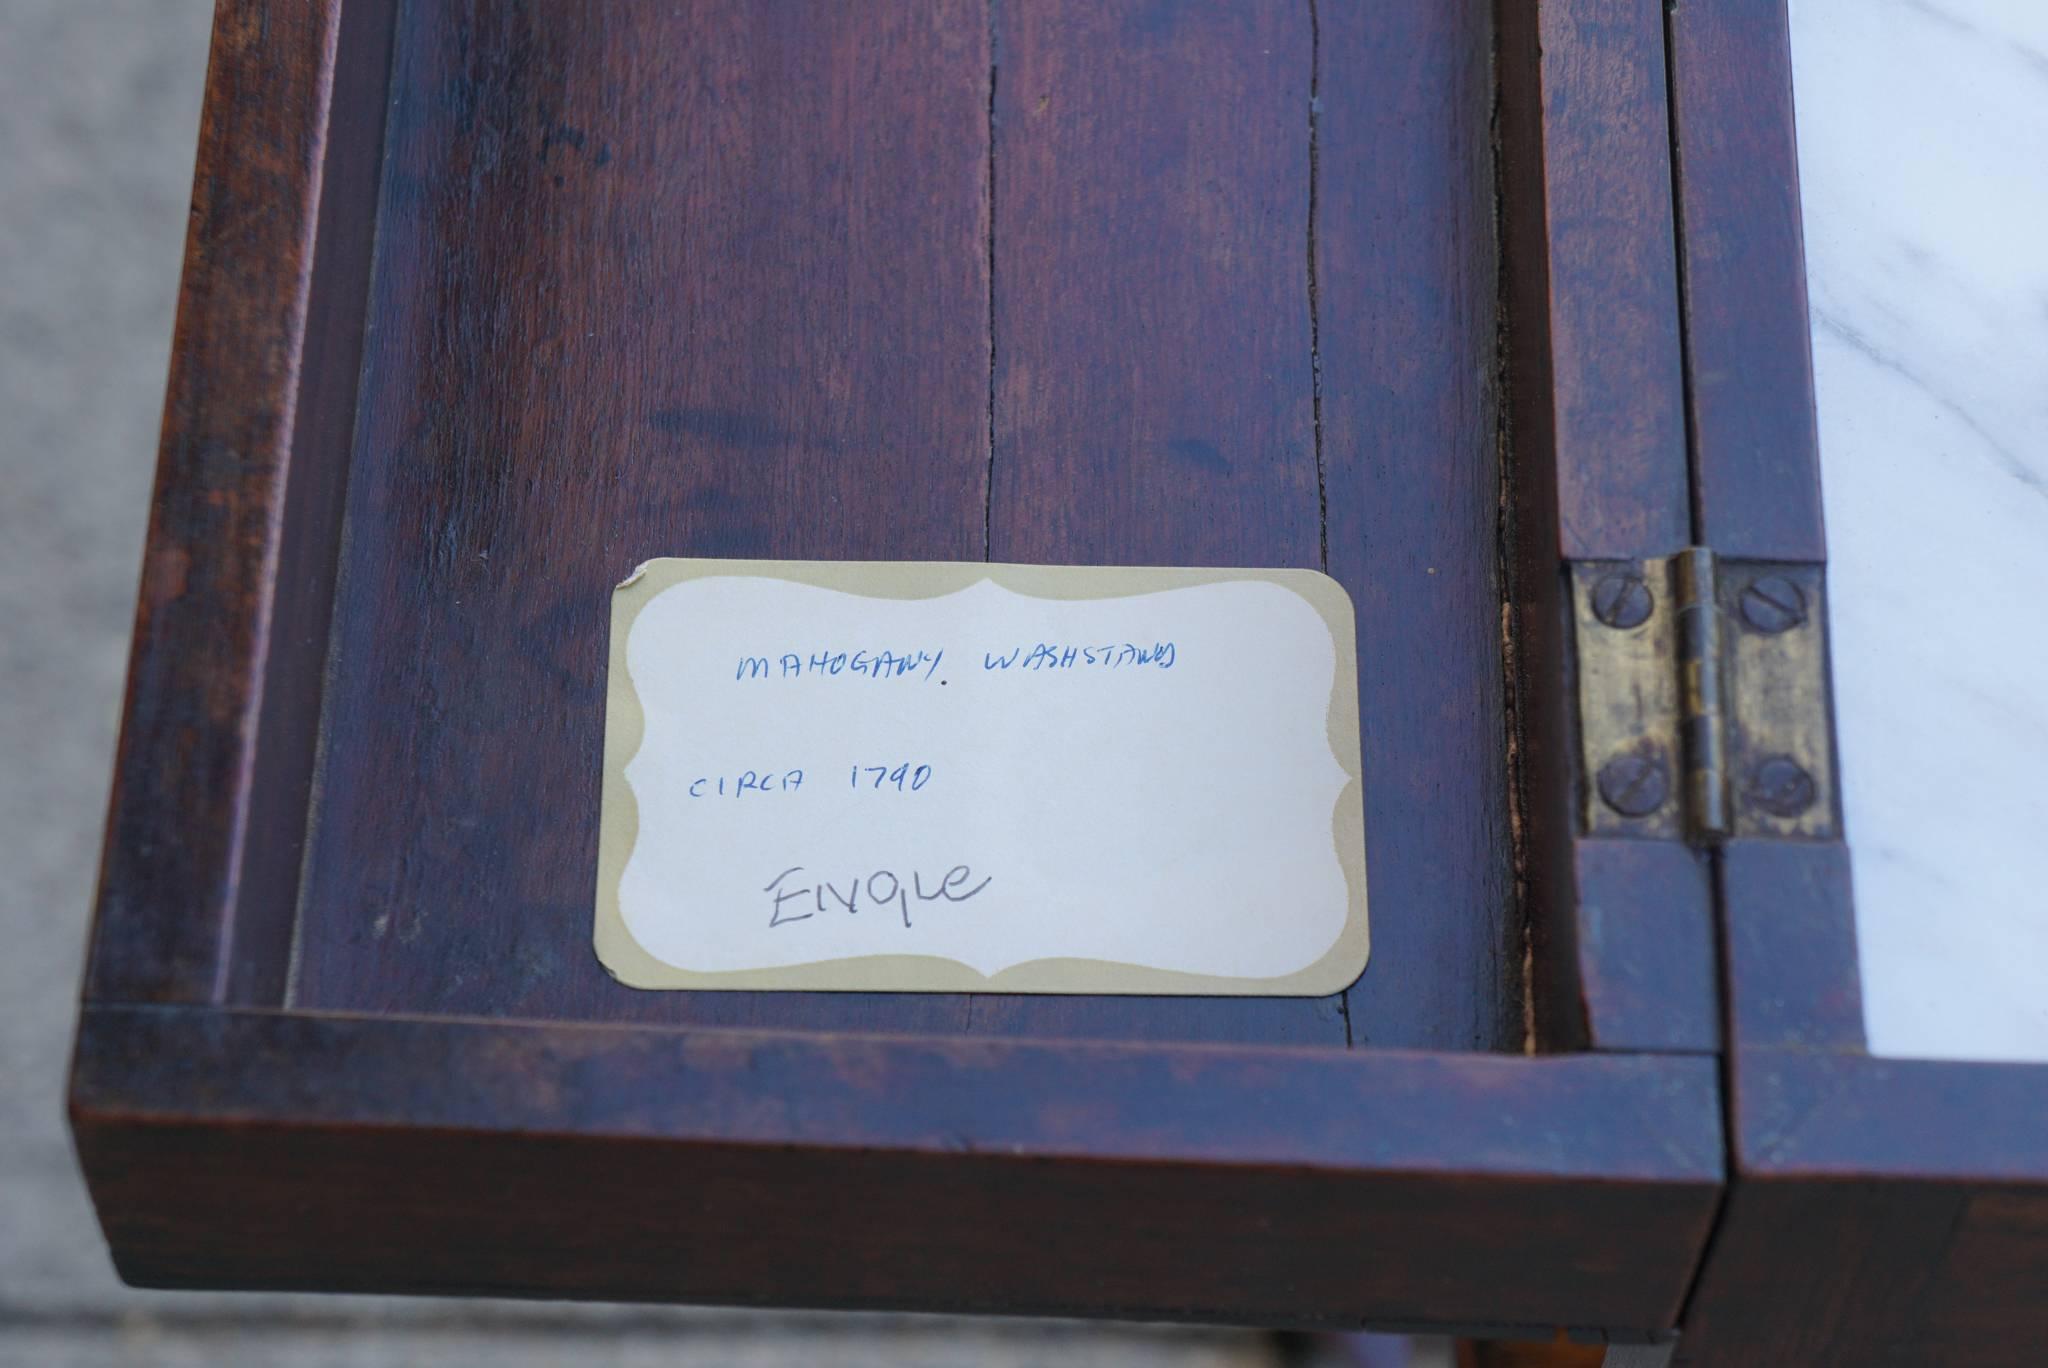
x=484 y=305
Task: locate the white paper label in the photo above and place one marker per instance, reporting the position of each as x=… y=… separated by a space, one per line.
x=948 y=777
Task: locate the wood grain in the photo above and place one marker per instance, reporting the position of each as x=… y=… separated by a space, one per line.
x=614 y=317
x=1881 y=1211
x=1620 y=933
x=1749 y=364
x=1152 y=396
x=1829 y=1272
x=1888 y=1212
x=180 y=806
x=1185 y=1182
x=1645 y=949
x=1407 y=278
x=1788 y=917
x=698 y=280
x=1594 y=327
x=294 y=670
x=1165 y=283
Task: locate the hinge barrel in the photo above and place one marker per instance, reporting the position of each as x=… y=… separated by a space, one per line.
x=1703 y=699
x=1703 y=720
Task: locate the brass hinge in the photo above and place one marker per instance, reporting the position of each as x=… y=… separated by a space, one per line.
x=1703 y=698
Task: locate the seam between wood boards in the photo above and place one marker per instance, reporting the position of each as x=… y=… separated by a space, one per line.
x=1315 y=339
x=1507 y=535
x=988 y=494
x=1724 y=1058
x=988 y=504
x=1315 y=321
x=344 y=533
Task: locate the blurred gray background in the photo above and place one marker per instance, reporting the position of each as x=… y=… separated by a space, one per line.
x=99 y=109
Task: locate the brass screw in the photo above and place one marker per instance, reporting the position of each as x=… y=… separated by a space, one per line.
x=1633 y=784
x=1773 y=604
x=1781 y=786
x=1622 y=600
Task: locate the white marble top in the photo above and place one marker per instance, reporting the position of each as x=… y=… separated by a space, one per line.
x=1923 y=160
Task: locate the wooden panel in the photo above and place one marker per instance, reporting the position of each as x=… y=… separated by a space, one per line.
x=1407 y=291
x=1887 y=1212
x=323 y=435
x=1749 y=365
x=1189 y=1182
x=1646 y=946
x=1789 y=934
x=181 y=796
x=722 y=278
x=1586 y=179
x=1833 y=1272
x=613 y=317
x=1987 y=1298
x=704 y=279
x=1623 y=947
x=1883 y=1211
x=1853 y=1115
x=1597 y=470
x=1153 y=399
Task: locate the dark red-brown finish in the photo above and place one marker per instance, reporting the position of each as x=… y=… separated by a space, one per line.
x=168 y=887
x=1789 y=945
x=484 y=304
x=1645 y=952
x=1153 y=399
x=1620 y=931
x=627 y=304
x=1749 y=366
x=1891 y=1212
x=1885 y=1211
x=1407 y=283
x=1587 y=172
x=308 y=538
x=1277 y=1187
x=1881 y=1211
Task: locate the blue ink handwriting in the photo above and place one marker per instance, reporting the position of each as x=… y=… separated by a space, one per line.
x=951 y=887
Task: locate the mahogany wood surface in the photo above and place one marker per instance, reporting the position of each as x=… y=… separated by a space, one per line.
x=1619 y=929
x=483 y=305
x=1407 y=277
x=1749 y=364
x=652 y=280
x=179 y=809
x=1586 y=164
x=1646 y=952
x=1887 y=1212
x=1187 y=1182
x=306 y=539
x=1788 y=931
x=1152 y=397
x=1159 y=283
x=1556 y=1353
x=719 y=281
x=1881 y=1211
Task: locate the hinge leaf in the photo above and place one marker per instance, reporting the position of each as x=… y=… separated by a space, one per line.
x=1703 y=699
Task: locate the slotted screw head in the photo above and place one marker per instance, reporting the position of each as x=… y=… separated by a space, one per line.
x=1622 y=600
x=1633 y=784
x=1773 y=604
x=1781 y=786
